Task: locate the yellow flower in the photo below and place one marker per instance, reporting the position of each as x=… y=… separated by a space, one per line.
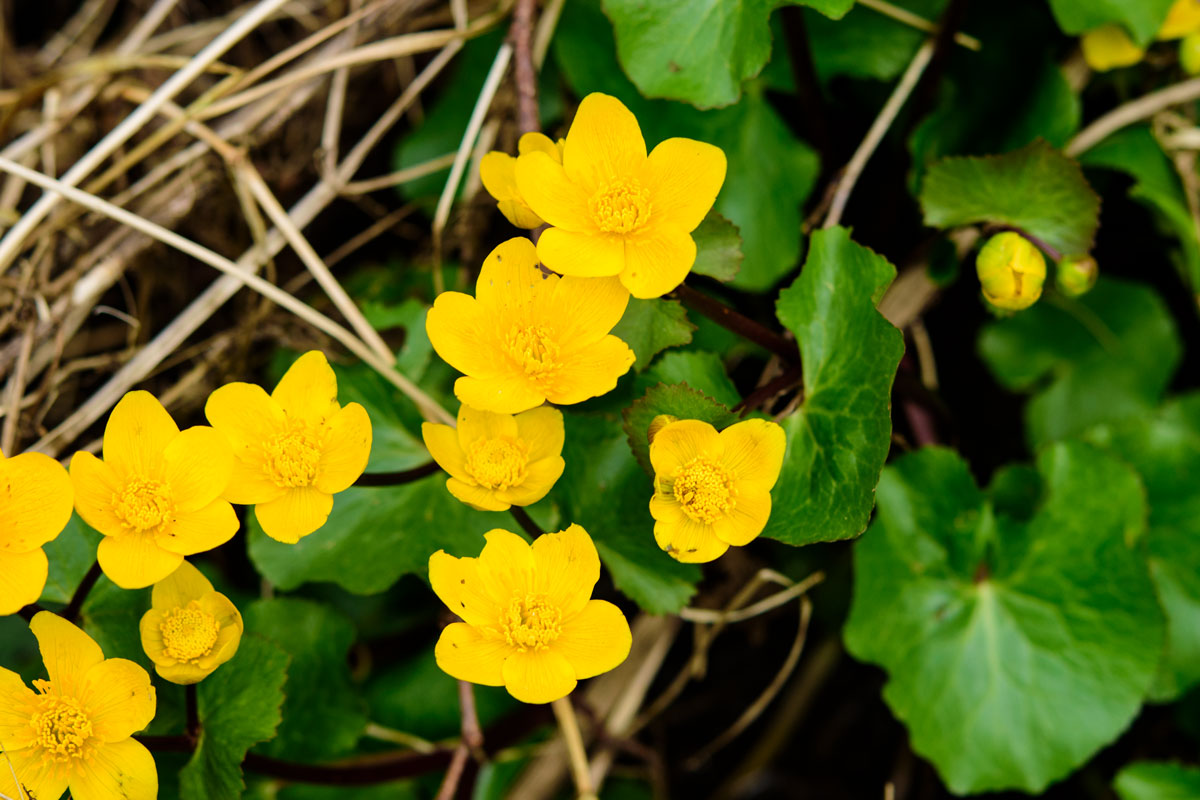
x=1182 y=19
x=1109 y=46
x=35 y=505
x=499 y=174
x=156 y=496
x=1077 y=275
x=526 y=337
x=529 y=623
x=294 y=449
x=713 y=490
x=615 y=210
x=74 y=730
x=1011 y=271
x=190 y=629
x=499 y=460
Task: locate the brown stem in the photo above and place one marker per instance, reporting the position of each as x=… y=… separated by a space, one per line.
x=71 y=612
x=740 y=324
x=192 y=731
x=397 y=478
x=526 y=521
x=523 y=69
x=780 y=383
x=29 y=612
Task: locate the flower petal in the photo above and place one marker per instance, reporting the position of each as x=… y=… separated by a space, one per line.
x=498 y=171
x=749 y=516
x=505 y=567
x=122 y=770
x=36 y=499
x=534 y=142
x=41 y=777
x=199 y=465
x=308 y=390
x=346 y=449
x=477 y=497
x=592 y=371
x=604 y=142
x=95 y=482
x=688 y=541
x=442 y=443
x=464 y=653
x=509 y=279
x=582 y=254
x=67 y=652
x=294 y=515
x=461 y=335
x=541 y=429
x=138 y=431
x=180 y=588
x=658 y=261
x=538 y=676
x=201 y=530
x=566 y=568
x=22 y=579
x=596 y=640
x=683 y=177
x=586 y=309
x=134 y=560
x=456 y=583
x=119 y=699
x=540 y=477
x=150 y=633
x=475 y=424
x=246 y=414
x=249 y=483
x=511 y=394
x=543 y=184
x=17 y=703
x=680 y=442
x=517 y=212
x=183 y=674
x=754 y=451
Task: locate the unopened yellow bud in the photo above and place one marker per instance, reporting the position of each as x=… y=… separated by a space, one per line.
x=1189 y=54
x=658 y=423
x=1011 y=271
x=1077 y=275
x=1109 y=47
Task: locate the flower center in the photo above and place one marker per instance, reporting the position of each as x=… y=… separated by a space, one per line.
x=620 y=206
x=531 y=623
x=143 y=503
x=189 y=632
x=497 y=463
x=292 y=458
x=534 y=350
x=61 y=728
x=705 y=490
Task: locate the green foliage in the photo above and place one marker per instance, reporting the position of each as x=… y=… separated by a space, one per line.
x=718 y=248
x=111 y=615
x=865 y=43
x=651 y=326
x=700 y=369
x=1141 y=18
x=678 y=400
x=840 y=436
x=71 y=555
x=1149 y=780
x=1008 y=660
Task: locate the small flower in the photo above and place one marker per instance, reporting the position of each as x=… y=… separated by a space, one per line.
x=294 y=449
x=499 y=174
x=73 y=730
x=526 y=337
x=1077 y=275
x=156 y=496
x=190 y=629
x=499 y=460
x=529 y=623
x=1182 y=19
x=36 y=498
x=713 y=490
x=1109 y=46
x=1011 y=271
x=615 y=210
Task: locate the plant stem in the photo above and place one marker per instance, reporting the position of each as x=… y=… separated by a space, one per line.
x=526 y=521
x=740 y=324
x=569 y=725
x=780 y=383
x=397 y=478
x=523 y=68
x=71 y=612
x=192 y=731
x=30 y=611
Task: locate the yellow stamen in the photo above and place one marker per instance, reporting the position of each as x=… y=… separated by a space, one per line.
x=143 y=504
x=60 y=725
x=621 y=206
x=531 y=622
x=498 y=463
x=189 y=633
x=705 y=490
x=534 y=350
x=293 y=457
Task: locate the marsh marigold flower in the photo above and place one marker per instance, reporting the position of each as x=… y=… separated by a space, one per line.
x=1109 y=46
x=713 y=490
x=499 y=460
x=294 y=448
x=526 y=337
x=498 y=171
x=156 y=496
x=1011 y=271
x=615 y=210
x=529 y=623
x=73 y=730
x=36 y=499
x=190 y=629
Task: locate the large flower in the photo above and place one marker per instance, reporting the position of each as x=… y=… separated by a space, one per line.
x=498 y=171
x=498 y=460
x=529 y=623
x=73 y=730
x=295 y=448
x=615 y=210
x=526 y=337
x=190 y=629
x=35 y=505
x=713 y=490
x=156 y=496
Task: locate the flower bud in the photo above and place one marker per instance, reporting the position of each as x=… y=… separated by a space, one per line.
x=1077 y=275
x=1011 y=271
x=658 y=423
x=1109 y=47
x=1189 y=54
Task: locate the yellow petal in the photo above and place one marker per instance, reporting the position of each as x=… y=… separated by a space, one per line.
x=658 y=261
x=509 y=280
x=477 y=497
x=308 y=390
x=680 y=442
x=538 y=676
x=138 y=431
x=183 y=674
x=443 y=446
x=518 y=212
x=199 y=465
x=1182 y=19
x=67 y=652
x=541 y=429
x=534 y=142
x=540 y=477
x=1109 y=47
x=150 y=632
x=544 y=186
x=498 y=172
x=596 y=640
x=582 y=254
x=17 y=704
x=463 y=653
x=683 y=177
x=122 y=770
x=95 y=482
x=604 y=142
x=294 y=515
x=754 y=451
x=462 y=336
x=505 y=567
x=592 y=371
x=134 y=560
x=40 y=777
x=346 y=450
x=180 y=588
x=683 y=538
x=511 y=394
x=197 y=531
x=567 y=567
x=586 y=309
x=36 y=499
x=249 y=483
x=456 y=583
x=747 y=519
x=119 y=699
x=475 y=424
x=22 y=579
x=246 y=414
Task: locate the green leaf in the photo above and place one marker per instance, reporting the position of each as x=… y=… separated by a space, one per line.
x=651 y=326
x=320 y=695
x=1141 y=18
x=1009 y=660
x=393 y=448
x=678 y=400
x=71 y=555
x=1148 y=780
x=699 y=369
x=840 y=437
x=865 y=43
x=1035 y=189
x=718 y=248
x=111 y=614
x=238 y=707
x=1102 y=357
